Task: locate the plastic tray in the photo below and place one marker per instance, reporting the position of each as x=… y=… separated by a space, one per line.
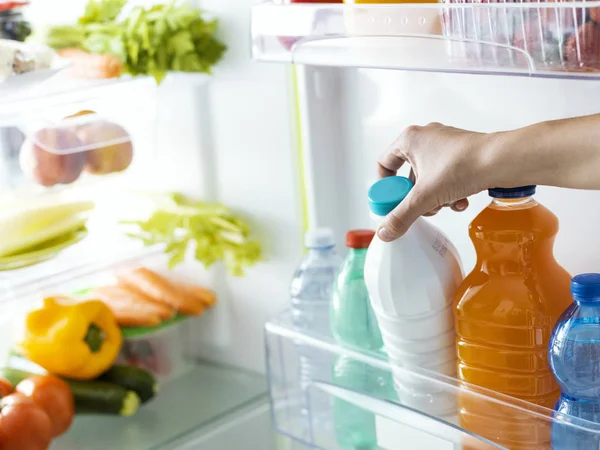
x=437 y=413
x=546 y=39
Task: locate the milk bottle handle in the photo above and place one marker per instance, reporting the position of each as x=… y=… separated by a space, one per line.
x=407 y=416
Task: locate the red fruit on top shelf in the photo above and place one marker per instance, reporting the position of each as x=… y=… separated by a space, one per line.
x=595 y=14
x=582 y=49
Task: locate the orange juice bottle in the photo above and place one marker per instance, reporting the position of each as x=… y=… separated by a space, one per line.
x=505 y=311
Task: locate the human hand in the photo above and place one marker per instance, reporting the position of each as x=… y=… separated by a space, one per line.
x=447 y=166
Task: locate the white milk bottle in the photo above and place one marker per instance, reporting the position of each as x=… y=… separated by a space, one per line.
x=411 y=283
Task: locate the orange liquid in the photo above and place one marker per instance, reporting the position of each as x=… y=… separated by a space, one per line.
x=505 y=311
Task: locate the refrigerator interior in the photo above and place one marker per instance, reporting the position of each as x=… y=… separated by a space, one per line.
x=227 y=138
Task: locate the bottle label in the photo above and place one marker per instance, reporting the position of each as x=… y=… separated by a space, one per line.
x=440 y=245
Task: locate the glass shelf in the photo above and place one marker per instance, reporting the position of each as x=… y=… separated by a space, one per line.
x=549 y=39
x=346 y=398
x=184 y=406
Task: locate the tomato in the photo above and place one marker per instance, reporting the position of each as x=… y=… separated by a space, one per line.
x=54 y=396
x=23 y=424
x=5 y=387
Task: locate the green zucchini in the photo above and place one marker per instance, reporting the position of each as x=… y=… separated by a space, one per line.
x=101 y=397
x=133 y=378
x=98 y=397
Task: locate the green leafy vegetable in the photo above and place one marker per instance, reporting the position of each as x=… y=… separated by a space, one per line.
x=211 y=230
x=148 y=41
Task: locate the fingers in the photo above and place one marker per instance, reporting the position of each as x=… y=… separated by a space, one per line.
x=416 y=204
x=394 y=157
x=460 y=205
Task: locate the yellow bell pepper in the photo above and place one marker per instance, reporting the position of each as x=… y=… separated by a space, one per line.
x=75 y=340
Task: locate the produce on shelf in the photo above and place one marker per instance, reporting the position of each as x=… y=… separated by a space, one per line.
x=75 y=340
x=6 y=387
x=33 y=233
x=582 y=49
x=54 y=396
x=112 y=150
x=213 y=231
x=89 y=65
x=143 y=298
x=52 y=156
x=162 y=290
x=134 y=379
x=100 y=397
x=91 y=397
x=147 y=41
x=132 y=308
x=12 y=22
x=24 y=425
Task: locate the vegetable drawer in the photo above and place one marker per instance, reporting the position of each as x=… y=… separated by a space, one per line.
x=354 y=398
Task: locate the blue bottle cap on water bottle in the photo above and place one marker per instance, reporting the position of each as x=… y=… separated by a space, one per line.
x=386 y=194
x=516 y=192
x=586 y=287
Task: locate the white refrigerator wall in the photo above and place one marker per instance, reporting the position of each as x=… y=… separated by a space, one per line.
x=354 y=114
x=228 y=138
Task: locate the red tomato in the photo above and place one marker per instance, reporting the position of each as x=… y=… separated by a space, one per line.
x=54 y=396
x=5 y=387
x=23 y=424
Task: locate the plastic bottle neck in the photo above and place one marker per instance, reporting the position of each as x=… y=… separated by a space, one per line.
x=321 y=251
x=508 y=203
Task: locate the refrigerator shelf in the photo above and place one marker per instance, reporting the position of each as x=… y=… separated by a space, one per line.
x=542 y=39
x=351 y=394
x=186 y=408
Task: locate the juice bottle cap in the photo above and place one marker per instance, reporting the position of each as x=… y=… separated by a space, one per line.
x=516 y=192
x=319 y=238
x=359 y=238
x=586 y=286
x=387 y=193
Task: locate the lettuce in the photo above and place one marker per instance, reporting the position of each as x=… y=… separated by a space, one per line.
x=148 y=41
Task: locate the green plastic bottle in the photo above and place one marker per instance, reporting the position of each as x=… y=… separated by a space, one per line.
x=353 y=324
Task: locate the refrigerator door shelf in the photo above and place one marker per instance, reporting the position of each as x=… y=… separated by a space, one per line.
x=429 y=410
x=555 y=39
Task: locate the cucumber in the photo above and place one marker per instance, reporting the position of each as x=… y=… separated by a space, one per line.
x=101 y=397
x=98 y=397
x=133 y=378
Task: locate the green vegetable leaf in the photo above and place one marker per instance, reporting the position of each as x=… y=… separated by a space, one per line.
x=102 y=11
x=213 y=231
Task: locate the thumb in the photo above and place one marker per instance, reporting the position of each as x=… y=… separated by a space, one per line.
x=397 y=222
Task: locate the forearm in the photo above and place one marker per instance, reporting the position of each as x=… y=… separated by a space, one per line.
x=563 y=153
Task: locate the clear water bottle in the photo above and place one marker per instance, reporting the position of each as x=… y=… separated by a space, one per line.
x=574 y=354
x=310 y=302
x=353 y=324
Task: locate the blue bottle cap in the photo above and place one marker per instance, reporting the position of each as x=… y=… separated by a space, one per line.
x=516 y=192
x=586 y=287
x=387 y=193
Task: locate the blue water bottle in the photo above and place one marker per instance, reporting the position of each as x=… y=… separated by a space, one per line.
x=574 y=356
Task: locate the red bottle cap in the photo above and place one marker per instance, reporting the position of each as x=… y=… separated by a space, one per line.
x=359 y=238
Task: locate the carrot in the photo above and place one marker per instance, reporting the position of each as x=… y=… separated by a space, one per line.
x=130 y=309
x=206 y=296
x=159 y=288
x=89 y=65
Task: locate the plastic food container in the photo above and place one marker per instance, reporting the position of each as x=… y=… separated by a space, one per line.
x=158 y=350
x=552 y=36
